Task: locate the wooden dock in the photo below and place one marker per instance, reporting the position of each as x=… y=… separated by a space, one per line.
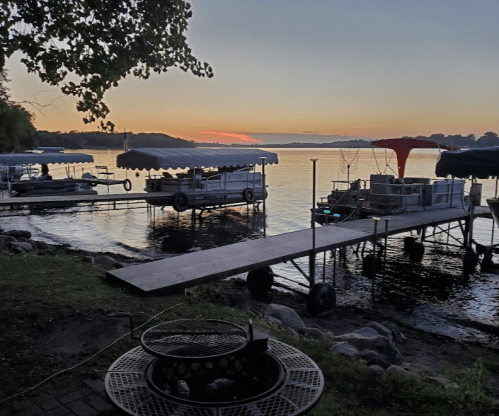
x=175 y=273
x=79 y=199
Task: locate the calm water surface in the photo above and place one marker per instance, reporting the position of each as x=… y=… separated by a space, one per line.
x=433 y=294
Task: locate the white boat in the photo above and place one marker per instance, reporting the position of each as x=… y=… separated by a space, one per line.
x=386 y=194
x=209 y=178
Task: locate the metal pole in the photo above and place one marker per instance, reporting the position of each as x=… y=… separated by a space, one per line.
x=387 y=220
x=376 y=219
x=312 y=260
x=264 y=192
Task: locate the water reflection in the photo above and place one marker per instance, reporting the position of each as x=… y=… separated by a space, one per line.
x=175 y=233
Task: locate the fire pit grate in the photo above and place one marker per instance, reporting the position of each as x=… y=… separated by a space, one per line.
x=194 y=339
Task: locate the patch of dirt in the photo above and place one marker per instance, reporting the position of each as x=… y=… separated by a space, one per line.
x=76 y=337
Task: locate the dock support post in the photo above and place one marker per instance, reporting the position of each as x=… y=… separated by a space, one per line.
x=264 y=194
x=387 y=220
x=376 y=219
x=312 y=257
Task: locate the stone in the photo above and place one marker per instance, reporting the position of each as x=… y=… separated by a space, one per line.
x=18 y=233
x=397 y=334
x=41 y=245
x=6 y=239
x=377 y=343
x=88 y=259
x=118 y=265
x=273 y=320
x=29 y=241
x=396 y=369
x=381 y=329
x=21 y=246
x=286 y=315
x=376 y=370
x=104 y=260
x=444 y=382
x=346 y=349
x=292 y=333
x=311 y=333
x=367 y=332
x=374 y=358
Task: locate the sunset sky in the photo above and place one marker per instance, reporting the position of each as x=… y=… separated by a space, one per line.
x=308 y=70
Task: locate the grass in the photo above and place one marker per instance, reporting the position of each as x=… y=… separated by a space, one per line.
x=36 y=290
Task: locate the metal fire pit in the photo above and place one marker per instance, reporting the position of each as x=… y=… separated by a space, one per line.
x=203 y=367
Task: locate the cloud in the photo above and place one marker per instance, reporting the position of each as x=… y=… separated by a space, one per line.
x=224 y=137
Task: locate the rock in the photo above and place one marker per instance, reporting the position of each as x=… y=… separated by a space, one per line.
x=444 y=382
x=367 y=332
x=377 y=343
x=381 y=329
x=104 y=260
x=88 y=259
x=29 y=241
x=20 y=247
x=6 y=239
x=273 y=320
x=18 y=233
x=286 y=315
x=374 y=358
x=346 y=349
x=376 y=370
x=311 y=333
x=396 y=369
x=394 y=328
x=118 y=265
x=41 y=245
x=292 y=333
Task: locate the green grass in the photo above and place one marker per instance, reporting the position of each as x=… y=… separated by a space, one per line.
x=36 y=290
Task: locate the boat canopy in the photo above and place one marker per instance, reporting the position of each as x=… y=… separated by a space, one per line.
x=481 y=163
x=402 y=147
x=175 y=158
x=33 y=158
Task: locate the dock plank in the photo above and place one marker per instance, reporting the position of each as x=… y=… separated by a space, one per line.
x=174 y=273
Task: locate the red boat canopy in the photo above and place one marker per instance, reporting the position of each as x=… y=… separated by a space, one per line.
x=402 y=147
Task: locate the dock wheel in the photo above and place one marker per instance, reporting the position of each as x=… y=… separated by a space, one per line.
x=260 y=281
x=321 y=299
x=180 y=202
x=127 y=185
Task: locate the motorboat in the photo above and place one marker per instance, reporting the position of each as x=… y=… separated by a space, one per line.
x=210 y=177
x=386 y=194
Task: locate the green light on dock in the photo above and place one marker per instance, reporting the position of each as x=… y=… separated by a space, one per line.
x=327 y=212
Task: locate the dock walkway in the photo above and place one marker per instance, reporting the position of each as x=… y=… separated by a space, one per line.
x=174 y=273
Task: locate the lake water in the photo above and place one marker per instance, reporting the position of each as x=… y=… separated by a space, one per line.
x=433 y=294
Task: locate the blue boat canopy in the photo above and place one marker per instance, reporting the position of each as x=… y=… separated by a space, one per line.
x=176 y=158
x=481 y=163
x=47 y=157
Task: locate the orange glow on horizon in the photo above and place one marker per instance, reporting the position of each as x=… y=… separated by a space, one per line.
x=227 y=137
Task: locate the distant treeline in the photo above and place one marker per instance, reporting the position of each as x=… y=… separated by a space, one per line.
x=489 y=139
x=99 y=140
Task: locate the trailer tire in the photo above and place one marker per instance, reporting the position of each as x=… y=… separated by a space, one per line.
x=180 y=202
x=321 y=299
x=249 y=195
x=127 y=184
x=260 y=281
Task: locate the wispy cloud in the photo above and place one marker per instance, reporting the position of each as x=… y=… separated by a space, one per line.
x=230 y=137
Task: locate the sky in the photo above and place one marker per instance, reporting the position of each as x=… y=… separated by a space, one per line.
x=310 y=71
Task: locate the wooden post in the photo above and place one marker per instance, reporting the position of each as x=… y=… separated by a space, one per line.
x=264 y=193
x=312 y=257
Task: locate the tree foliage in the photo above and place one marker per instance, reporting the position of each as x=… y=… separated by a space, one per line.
x=99 y=41
x=16 y=130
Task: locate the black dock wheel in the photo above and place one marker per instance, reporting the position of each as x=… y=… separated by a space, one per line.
x=127 y=184
x=260 y=281
x=321 y=299
x=249 y=195
x=180 y=202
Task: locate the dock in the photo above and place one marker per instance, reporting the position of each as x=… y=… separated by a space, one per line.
x=79 y=199
x=175 y=273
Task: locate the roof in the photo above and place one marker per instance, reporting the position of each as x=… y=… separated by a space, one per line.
x=402 y=147
x=481 y=163
x=32 y=158
x=175 y=158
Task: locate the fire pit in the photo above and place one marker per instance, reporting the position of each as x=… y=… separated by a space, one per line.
x=207 y=367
